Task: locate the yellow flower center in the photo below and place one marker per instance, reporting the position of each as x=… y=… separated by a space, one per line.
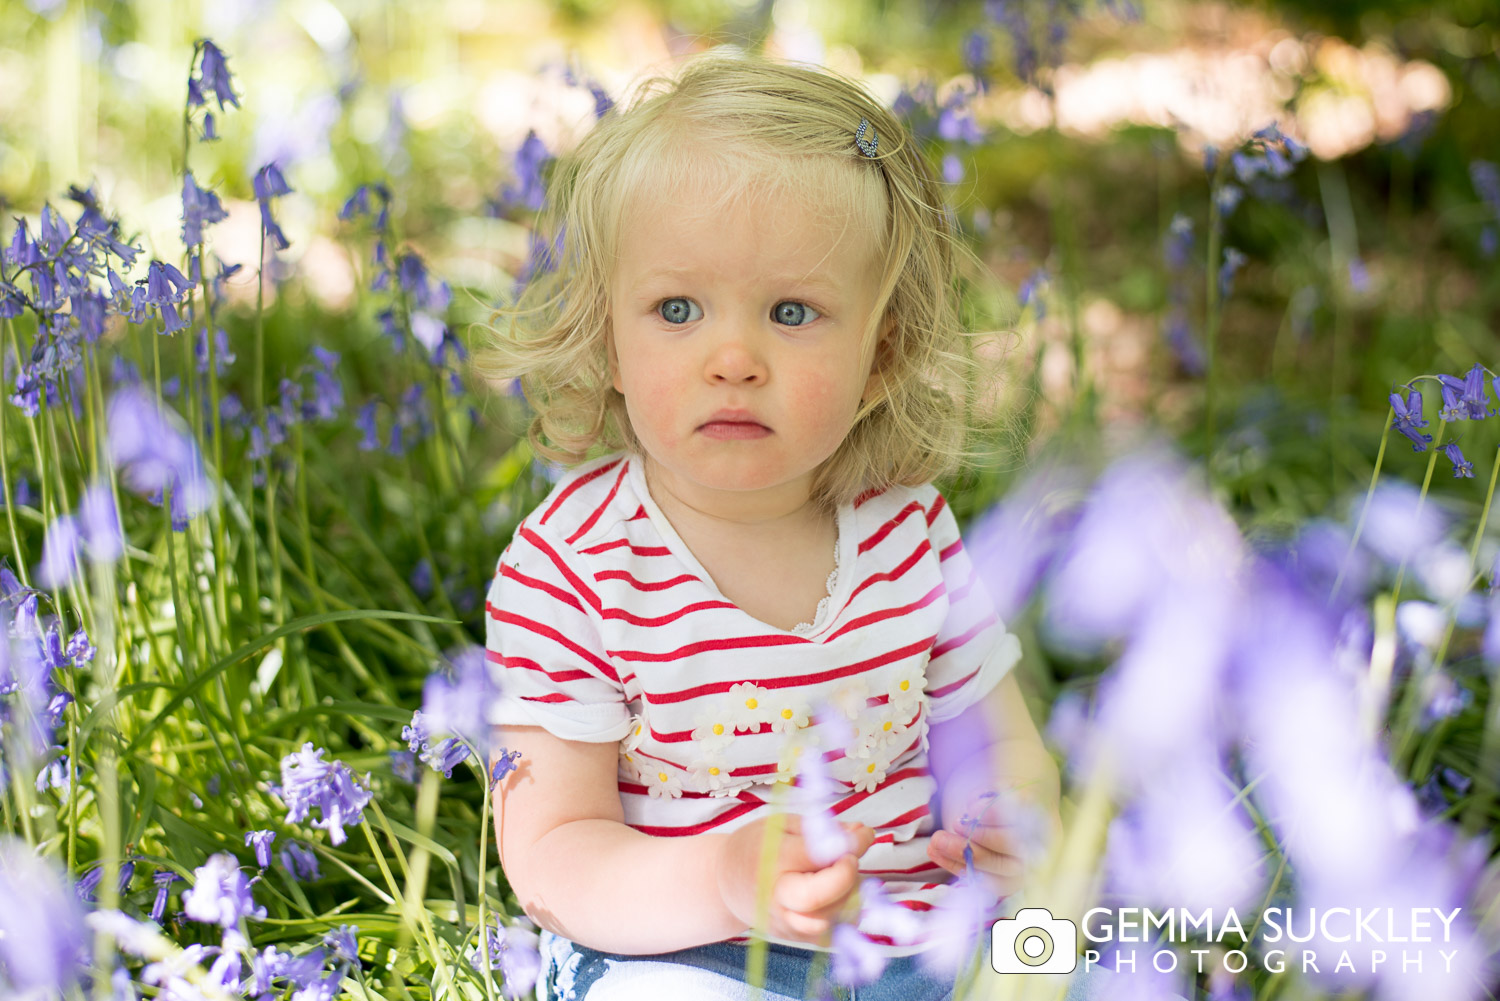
x=786 y=714
x=751 y=703
x=870 y=768
x=718 y=729
x=886 y=725
x=638 y=730
x=904 y=684
x=662 y=776
x=714 y=770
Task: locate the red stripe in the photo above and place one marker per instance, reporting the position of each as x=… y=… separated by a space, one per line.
x=568 y=490
x=600 y=508
x=897 y=572
x=535 y=584
x=635 y=550
x=887 y=613
x=540 y=629
x=954 y=642
x=939 y=502
x=890 y=526
x=714 y=687
x=707 y=825
x=899 y=872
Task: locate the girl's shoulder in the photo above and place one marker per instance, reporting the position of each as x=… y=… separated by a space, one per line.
x=586 y=500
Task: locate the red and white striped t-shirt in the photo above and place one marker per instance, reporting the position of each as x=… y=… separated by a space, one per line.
x=603 y=626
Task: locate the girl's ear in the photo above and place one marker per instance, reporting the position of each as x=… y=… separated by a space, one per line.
x=612 y=357
x=883 y=354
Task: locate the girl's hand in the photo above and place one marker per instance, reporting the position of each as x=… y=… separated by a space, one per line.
x=806 y=898
x=1007 y=835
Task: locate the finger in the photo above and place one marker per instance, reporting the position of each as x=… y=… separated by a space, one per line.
x=808 y=927
x=863 y=836
x=1006 y=867
x=810 y=892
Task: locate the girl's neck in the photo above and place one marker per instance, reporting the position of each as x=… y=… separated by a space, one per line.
x=752 y=519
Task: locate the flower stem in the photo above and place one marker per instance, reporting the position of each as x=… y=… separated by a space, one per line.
x=1359 y=525
x=1421 y=500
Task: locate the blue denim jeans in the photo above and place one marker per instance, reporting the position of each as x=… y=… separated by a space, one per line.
x=716 y=972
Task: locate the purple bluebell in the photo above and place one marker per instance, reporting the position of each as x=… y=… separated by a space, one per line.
x=456 y=702
x=1475 y=394
x=307 y=781
x=147 y=440
x=404 y=765
x=344 y=944
x=99 y=523
x=1177 y=246
x=976 y=55
x=421 y=579
x=223 y=355
x=1359 y=275
x=812 y=798
x=365 y=421
x=1485 y=176
x=1031 y=292
x=1233 y=260
x=213 y=71
x=87 y=887
x=1461 y=467
x=1228 y=198
x=857 y=960
x=1012 y=545
x=513 y=951
x=220 y=893
x=445 y=755
x=1452 y=388
x=42 y=930
x=54 y=775
x=269 y=183
x=879 y=915
x=60 y=552
x=416 y=733
x=505 y=763
x=200 y=208
x=1409 y=417
x=529 y=190
x=262 y=842
x=954 y=927
x=300 y=863
x=163 y=880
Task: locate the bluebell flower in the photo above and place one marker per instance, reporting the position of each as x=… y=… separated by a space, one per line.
x=404 y=765
x=60 y=550
x=1177 y=246
x=42 y=932
x=1031 y=292
x=163 y=880
x=529 y=190
x=200 y=208
x=54 y=775
x=165 y=284
x=456 y=703
x=857 y=960
x=344 y=944
x=1233 y=260
x=1452 y=388
x=87 y=887
x=1461 y=467
x=445 y=755
x=505 y=763
x=416 y=733
x=300 y=863
x=220 y=894
x=1475 y=395
x=1486 y=179
x=1409 y=418
x=1359 y=275
x=214 y=74
x=307 y=781
x=514 y=952
x=365 y=421
x=421 y=578
x=262 y=842
x=146 y=440
x=976 y=54
x=269 y=183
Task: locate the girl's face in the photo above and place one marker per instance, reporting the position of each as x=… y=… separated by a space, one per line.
x=759 y=309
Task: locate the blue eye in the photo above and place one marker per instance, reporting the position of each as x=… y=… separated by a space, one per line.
x=674 y=312
x=794 y=313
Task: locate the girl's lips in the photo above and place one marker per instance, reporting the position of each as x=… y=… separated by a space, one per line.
x=734 y=430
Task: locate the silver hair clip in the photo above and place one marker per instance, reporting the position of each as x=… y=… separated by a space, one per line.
x=866 y=146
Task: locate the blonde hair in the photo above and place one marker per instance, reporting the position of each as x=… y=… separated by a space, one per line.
x=752 y=122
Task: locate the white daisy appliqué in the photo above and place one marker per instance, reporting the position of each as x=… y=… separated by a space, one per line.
x=660 y=782
x=750 y=705
x=869 y=775
x=789 y=717
x=715 y=726
x=906 y=689
x=711 y=774
x=880 y=730
x=636 y=735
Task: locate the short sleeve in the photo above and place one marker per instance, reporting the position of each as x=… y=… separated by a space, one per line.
x=542 y=644
x=973 y=650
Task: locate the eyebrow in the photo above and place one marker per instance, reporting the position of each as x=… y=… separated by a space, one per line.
x=816 y=280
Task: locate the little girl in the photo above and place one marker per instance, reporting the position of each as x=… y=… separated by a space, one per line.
x=752 y=326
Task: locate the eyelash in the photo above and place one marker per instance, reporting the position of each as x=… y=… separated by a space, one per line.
x=656 y=309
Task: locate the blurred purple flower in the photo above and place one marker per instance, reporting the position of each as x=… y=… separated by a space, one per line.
x=1013 y=544
x=262 y=842
x=344 y=944
x=1397 y=524
x=515 y=953
x=300 y=863
x=213 y=71
x=1233 y=260
x=163 y=880
x=813 y=797
x=1031 y=293
x=954 y=927
x=857 y=960
x=456 y=702
x=268 y=184
x=220 y=894
x=42 y=931
x=307 y=781
x=879 y=915
x=529 y=190
x=200 y=208
x=155 y=451
x=404 y=765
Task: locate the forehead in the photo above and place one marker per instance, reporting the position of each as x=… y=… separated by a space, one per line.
x=701 y=227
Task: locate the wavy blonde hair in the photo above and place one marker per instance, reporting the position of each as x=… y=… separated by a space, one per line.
x=751 y=122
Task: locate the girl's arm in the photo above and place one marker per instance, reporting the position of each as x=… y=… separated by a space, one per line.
x=579 y=871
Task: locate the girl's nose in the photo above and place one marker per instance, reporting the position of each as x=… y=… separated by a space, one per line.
x=736 y=358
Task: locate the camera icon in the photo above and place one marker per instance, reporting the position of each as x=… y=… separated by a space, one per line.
x=1033 y=942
